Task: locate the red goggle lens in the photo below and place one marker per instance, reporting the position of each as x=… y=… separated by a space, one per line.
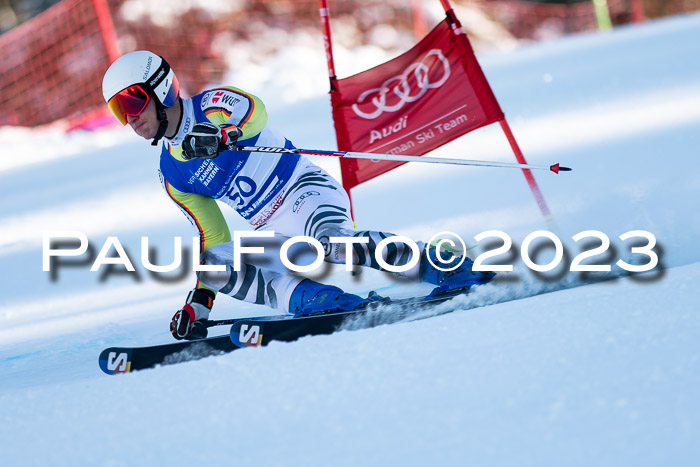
x=130 y=101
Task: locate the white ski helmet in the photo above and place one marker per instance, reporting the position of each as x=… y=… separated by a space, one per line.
x=136 y=77
x=144 y=68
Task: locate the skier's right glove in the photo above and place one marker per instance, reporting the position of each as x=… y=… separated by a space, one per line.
x=188 y=322
x=206 y=140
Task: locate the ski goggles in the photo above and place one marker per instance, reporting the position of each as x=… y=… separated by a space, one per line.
x=130 y=101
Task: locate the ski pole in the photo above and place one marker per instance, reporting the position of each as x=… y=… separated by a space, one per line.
x=556 y=168
x=210 y=323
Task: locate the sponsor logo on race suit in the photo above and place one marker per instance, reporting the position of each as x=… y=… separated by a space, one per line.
x=221 y=98
x=300 y=200
x=268 y=210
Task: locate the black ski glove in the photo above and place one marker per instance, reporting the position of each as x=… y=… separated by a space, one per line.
x=206 y=140
x=189 y=321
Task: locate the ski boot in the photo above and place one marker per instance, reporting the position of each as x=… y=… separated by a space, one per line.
x=459 y=278
x=310 y=297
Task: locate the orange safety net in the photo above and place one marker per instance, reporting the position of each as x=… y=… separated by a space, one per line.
x=49 y=65
x=540 y=20
x=52 y=65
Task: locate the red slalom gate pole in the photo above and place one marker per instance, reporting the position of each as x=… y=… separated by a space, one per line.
x=541 y=203
x=109 y=36
x=326 y=28
x=637 y=11
x=532 y=183
x=328 y=45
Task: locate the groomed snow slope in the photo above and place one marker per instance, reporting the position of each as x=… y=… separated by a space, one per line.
x=598 y=374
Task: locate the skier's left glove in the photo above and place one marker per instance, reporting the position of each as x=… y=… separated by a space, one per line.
x=188 y=322
x=206 y=140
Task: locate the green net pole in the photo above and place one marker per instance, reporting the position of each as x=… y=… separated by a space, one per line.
x=602 y=14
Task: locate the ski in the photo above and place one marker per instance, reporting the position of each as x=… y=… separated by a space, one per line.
x=253 y=332
x=117 y=360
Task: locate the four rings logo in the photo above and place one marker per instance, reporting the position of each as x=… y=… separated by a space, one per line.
x=300 y=199
x=409 y=86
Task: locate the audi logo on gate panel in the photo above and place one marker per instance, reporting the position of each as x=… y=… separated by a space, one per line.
x=409 y=86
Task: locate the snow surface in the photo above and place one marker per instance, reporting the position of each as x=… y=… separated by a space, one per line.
x=590 y=373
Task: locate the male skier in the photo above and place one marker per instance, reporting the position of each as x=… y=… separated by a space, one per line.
x=284 y=193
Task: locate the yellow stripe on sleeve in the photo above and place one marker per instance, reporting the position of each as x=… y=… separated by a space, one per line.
x=204 y=214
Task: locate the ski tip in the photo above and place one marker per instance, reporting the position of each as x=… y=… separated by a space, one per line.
x=556 y=168
x=115 y=360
